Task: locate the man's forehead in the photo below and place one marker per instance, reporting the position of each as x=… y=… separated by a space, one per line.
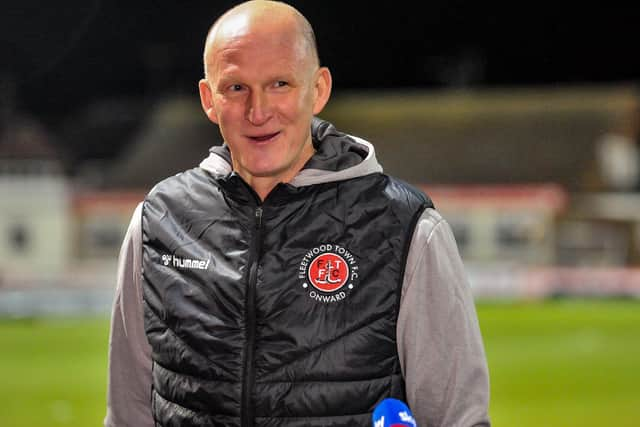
x=239 y=46
x=238 y=60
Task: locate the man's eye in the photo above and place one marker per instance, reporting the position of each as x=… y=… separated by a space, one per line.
x=281 y=83
x=235 y=88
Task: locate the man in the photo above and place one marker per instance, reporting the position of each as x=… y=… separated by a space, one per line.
x=287 y=281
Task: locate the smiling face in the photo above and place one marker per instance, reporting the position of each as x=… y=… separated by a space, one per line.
x=262 y=88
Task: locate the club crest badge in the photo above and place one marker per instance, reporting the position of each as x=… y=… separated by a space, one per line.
x=328 y=273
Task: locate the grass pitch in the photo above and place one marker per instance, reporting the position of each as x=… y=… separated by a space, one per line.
x=564 y=363
x=558 y=363
x=53 y=372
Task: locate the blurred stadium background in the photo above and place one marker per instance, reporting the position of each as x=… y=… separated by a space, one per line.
x=521 y=122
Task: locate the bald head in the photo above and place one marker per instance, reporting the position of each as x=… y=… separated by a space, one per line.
x=262 y=18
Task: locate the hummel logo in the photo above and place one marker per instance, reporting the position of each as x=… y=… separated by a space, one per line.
x=185 y=262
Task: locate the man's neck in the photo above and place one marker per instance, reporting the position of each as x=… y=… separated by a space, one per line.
x=263 y=185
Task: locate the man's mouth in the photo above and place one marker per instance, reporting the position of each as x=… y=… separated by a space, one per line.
x=264 y=137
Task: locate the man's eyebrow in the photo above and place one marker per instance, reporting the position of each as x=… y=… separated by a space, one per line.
x=226 y=76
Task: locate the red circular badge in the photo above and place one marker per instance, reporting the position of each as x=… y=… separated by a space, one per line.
x=328 y=272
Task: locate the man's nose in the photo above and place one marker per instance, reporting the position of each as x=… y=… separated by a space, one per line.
x=259 y=108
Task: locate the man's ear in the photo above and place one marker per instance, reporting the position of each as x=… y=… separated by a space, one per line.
x=322 y=89
x=206 y=100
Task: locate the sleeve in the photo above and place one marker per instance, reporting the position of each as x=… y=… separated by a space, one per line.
x=439 y=342
x=129 y=385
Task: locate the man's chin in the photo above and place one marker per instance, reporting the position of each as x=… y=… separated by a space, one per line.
x=266 y=173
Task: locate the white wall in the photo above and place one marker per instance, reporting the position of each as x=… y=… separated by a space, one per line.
x=40 y=205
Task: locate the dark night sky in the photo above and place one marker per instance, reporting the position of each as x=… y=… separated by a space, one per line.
x=65 y=54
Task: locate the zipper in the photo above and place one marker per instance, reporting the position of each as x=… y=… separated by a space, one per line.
x=246 y=408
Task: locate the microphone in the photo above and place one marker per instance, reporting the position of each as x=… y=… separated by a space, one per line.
x=393 y=413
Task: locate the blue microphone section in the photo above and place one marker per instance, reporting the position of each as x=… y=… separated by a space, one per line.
x=393 y=413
